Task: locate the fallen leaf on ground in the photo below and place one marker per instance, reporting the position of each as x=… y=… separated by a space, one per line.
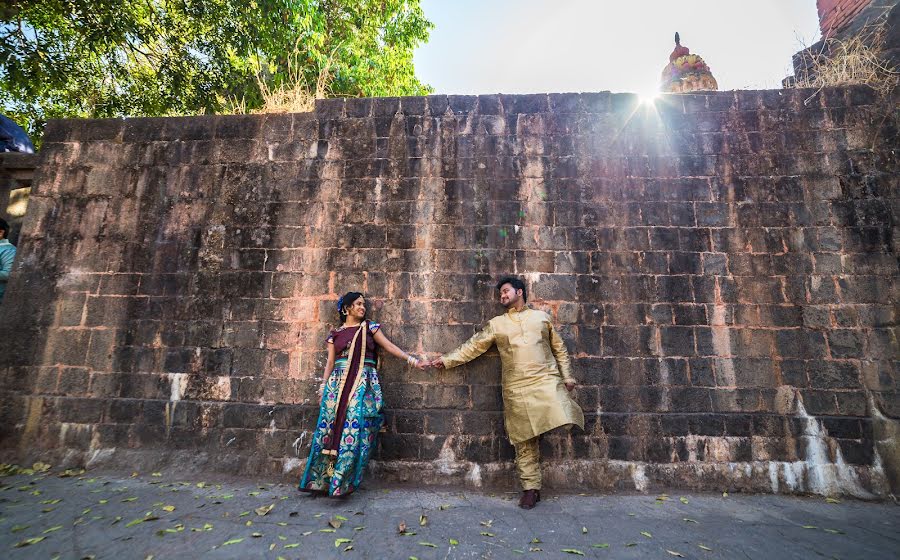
x=673 y=553
x=832 y=501
x=168 y=508
x=487 y=523
x=428 y=544
x=232 y=541
x=486 y=534
x=702 y=547
x=18 y=528
x=423 y=520
x=600 y=545
x=29 y=542
x=336 y=523
x=326 y=530
x=689 y=520
x=573 y=551
x=141 y=520
x=292 y=545
x=401 y=527
x=584 y=530
x=263 y=510
x=835 y=531
x=683 y=500
x=646 y=534
x=52 y=529
x=454 y=542
x=810 y=527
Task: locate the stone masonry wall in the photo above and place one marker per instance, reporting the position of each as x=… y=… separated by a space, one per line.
x=723 y=268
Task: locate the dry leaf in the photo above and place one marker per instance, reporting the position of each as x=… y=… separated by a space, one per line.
x=423 y=520
x=401 y=528
x=263 y=510
x=29 y=542
x=673 y=553
x=168 y=508
x=646 y=534
x=573 y=551
x=702 y=547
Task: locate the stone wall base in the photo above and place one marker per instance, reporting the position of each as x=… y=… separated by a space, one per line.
x=776 y=477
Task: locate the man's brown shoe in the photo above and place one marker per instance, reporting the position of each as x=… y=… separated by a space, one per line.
x=529 y=499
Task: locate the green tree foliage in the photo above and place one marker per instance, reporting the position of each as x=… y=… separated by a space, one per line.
x=104 y=58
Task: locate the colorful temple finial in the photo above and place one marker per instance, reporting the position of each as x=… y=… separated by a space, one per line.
x=686 y=72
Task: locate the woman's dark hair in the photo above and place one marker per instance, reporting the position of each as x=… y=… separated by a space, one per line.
x=5 y=227
x=516 y=284
x=346 y=301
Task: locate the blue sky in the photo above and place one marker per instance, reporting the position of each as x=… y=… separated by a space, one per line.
x=529 y=46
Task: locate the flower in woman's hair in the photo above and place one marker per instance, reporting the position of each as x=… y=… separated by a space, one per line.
x=340 y=305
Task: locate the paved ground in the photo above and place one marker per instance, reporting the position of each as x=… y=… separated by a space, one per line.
x=111 y=515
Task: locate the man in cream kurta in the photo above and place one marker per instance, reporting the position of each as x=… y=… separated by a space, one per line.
x=537 y=379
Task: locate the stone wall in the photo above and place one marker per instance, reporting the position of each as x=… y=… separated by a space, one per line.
x=16 y=174
x=722 y=266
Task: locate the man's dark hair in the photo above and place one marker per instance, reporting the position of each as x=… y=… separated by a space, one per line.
x=5 y=227
x=346 y=301
x=516 y=284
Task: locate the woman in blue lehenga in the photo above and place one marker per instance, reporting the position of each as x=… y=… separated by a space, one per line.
x=350 y=410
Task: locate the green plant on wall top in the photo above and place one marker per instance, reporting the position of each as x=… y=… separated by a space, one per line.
x=106 y=58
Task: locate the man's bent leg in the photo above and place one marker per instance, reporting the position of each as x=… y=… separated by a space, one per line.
x=528 y=463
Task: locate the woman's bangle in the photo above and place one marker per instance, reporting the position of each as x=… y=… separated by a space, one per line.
x=411 y=360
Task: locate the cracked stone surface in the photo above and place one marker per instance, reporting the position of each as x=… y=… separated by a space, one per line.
x=114 y=515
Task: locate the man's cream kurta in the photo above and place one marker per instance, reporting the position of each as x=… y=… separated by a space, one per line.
x=535 y=365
